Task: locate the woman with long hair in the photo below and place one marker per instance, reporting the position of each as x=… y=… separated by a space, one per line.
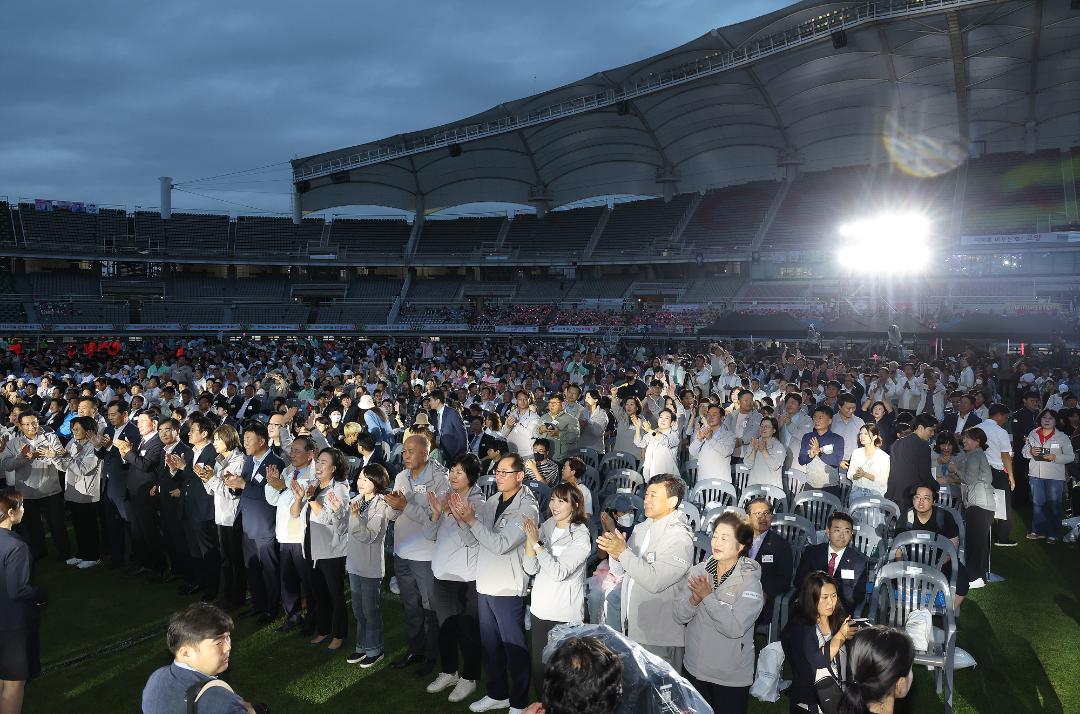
x=594 y=423
x=766 y=455
x=555 y=553
x=878 y=671
x=946 y=457
x=869 y=465
x=625 y=411
x=520 y=420
x=976 y=480
x=324 y=505
x=814 y=638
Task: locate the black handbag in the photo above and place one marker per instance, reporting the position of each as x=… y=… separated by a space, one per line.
x=829 y=689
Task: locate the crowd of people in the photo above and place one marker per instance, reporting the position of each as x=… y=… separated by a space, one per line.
x=272 y=477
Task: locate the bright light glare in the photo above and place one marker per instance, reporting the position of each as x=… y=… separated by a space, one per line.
x=899 y=239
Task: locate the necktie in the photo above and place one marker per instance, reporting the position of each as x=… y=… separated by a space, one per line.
x=832 y=563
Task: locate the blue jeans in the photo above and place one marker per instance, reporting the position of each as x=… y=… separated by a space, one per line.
x=368 y=613
x=1046 y=495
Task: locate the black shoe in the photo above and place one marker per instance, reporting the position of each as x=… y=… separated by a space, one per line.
x=265 y=619
x=187 y=589
x=1005 y=543
x=371 y=660
x=406 y=660
x=287 y=626
x=426 y=668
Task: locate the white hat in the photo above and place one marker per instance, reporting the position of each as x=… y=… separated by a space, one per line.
x=366 y=402
x=1062 y=388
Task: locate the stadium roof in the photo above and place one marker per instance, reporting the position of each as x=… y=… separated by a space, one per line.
x=814 y=85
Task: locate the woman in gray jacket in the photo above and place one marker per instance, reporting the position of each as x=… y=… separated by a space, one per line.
x=324 y=505
x=365 y=562
x=555 y=554
x=976 y=481
x=83 y=467
x=1049 y=450
x=453 y=596
x=719 y=602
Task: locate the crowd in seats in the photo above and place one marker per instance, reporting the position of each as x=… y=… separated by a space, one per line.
x=433 y=314
x=670 y=319
x=581 y=316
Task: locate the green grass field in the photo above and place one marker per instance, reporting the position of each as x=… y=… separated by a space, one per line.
x=1024 y=633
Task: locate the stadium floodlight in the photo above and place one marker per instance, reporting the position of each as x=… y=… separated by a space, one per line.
x=902 y=239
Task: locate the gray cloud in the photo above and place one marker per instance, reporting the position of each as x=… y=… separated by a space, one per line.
x=104 y=97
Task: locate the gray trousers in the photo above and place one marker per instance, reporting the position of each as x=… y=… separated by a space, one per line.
x=416 y=583
x=671 y=655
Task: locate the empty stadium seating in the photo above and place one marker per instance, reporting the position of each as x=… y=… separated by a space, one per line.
x=636 y=225
x=194 y=234
x=7 y=232
x=263 y=235
x=557 y=233
x=59 y=285
x=606 y=288
x=63 y=230
x=438 y=290
x=183 y=312
x=382 y=237
x=372 y=287
x=729 y=217
x=1013 y=192
x=271 y=313
x=710 y=289
x=358 y=313
x=81 y=312
x=461 y=236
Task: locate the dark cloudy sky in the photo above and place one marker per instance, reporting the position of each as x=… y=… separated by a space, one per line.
x=101 y=98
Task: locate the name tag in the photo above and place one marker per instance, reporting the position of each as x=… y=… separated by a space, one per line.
x=557 y=550
x=502 y=523
x=257 y=478
x=142 y=452
x=650 y=558
x=827 y=449
x=847 y=574
x=766 y=559
x=420 y=488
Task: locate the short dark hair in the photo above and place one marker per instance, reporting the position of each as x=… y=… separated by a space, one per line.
x=195 y=623
x=307 y=441
x=470 y=464
x=365 y=440
x=258 y=429
x=499 y=445
x=583 y=676
x=576 y=465
x=978 y=435
x=822 y=408
x=437 y=394
x=120 y=405
x=205 y=425
x=675 y=486
x=541 y=441
x=846 y=398
x=998 y=408
x=839 y=516
x=88 y=424
x=376 y=473
x=516 y=464
x=925 y=421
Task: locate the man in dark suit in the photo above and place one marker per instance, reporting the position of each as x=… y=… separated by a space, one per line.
x=963 y=419
x=449 y=428
x=142 y=459
x=772 y=551
x=171 y=474
x=910 y=462
x=198 y=638
x=249 y=404
x=114 y=472
x=847 y=565
x=259 y=520
x=198 y=511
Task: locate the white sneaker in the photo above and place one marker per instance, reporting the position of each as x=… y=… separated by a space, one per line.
x=84 y=564
x=515 y=710
x=488 y=704
x=464 y=688
x=976 y=584
x=72 y=561
x=394 y=586
x=441 y=682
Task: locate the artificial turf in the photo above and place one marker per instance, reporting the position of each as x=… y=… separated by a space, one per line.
x=102 y=636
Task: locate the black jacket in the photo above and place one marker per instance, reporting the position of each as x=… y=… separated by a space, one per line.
x=949 y=422
x=909 y=467
x=142 y=463
x=18 y=598
x=852 y=562
x=777 y=566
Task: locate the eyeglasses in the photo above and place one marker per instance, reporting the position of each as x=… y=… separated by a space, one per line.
x=507 y=473
x=923 y=498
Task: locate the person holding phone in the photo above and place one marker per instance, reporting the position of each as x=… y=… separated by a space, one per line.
x=1049 y=450
x=815 y=638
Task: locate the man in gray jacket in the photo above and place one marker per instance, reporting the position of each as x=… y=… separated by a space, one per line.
x=656 y=559
x=501 y=583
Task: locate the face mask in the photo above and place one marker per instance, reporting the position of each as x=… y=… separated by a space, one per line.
x=540 y=457
x=625 y=520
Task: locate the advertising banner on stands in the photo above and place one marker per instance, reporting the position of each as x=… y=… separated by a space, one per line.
x=331 y=327
x=517 y=329
x=153 y=327
x=1014 y=238
x=225 y=327
x=20 y=326
x=574 y=329
x=89 y=327
x=388 y=328
x=445 y=327
x=269 y=327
